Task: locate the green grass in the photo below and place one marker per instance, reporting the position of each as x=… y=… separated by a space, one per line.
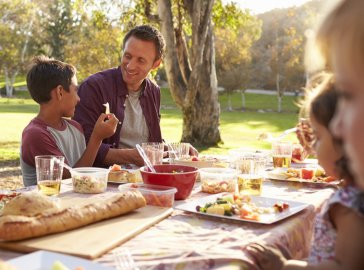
x=238 y=129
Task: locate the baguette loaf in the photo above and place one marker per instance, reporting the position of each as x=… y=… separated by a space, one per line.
x=51 y=221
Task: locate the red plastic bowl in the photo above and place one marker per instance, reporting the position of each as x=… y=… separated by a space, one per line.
x=179 y=176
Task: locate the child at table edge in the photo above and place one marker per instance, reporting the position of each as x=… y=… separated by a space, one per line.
x=53 y=85
x=340 y=218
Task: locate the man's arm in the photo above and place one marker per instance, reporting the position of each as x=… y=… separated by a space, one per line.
x=123 y=156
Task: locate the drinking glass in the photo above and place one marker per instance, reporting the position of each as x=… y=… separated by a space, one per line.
x=49 y=171
x=154 y=151
x=250 y=174
x=282 y=154
x=178 y=150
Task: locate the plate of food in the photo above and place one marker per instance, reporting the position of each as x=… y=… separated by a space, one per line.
x=119 y=175
x=256 y=209
x=201 y=161
x=310 y=175
x=52 y=260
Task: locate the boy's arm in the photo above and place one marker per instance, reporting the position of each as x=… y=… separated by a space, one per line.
x=105 y=127
x=88 y=111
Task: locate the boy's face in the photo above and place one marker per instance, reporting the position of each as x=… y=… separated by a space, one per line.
x=70 y=99
x=348 y=122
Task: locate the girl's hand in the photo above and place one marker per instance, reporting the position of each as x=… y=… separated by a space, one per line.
x=105 y=126
x=267 y=257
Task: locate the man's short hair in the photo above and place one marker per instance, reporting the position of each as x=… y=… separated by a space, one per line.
x=148 y=33
x=45 y=75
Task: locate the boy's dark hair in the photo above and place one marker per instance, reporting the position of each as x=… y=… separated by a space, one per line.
x=148 y=33
x=45 y=75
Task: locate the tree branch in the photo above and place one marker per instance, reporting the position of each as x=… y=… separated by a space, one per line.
x=148 y=12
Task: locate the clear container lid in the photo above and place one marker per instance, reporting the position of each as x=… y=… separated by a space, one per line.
x=148 y=188
x=89 y=170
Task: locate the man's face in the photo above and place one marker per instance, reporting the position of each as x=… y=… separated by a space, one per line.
x=137 y=61
x=348 y=122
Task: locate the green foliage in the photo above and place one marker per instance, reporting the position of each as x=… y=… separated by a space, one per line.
x=238 y=129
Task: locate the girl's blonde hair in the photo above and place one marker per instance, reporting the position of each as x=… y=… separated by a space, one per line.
x=340 y=34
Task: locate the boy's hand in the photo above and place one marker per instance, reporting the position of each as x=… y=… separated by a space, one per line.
x=105 y=126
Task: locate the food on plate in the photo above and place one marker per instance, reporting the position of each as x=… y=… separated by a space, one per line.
x=240 y=205
x=310 y=174
x=117 y=174
x=202 y=161
x=280 y=206
x=18 y=227
x=315 y=175
x=29 y=204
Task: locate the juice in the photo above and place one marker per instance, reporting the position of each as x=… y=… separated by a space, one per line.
x=250 y=184
x=49 y=187
x=282 y=161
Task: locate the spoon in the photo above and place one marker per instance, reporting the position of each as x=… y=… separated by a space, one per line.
x=169 y=145
x=145 y=158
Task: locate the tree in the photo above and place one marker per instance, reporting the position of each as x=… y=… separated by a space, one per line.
x=60 y=22
x=190 y=67
x=98 y=46
x=235 y=32
x=16 y=27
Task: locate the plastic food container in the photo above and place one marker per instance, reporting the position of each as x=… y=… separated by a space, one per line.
x=216 y=180
x=181 y=177
x=154 y=195
x=89 y=179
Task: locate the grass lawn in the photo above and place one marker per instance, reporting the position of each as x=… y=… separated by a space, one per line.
x=238 y=129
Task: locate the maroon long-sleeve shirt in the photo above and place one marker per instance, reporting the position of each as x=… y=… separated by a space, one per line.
x=108 y=86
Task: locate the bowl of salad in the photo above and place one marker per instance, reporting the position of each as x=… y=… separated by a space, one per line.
x=89 y=179
x=181 y=177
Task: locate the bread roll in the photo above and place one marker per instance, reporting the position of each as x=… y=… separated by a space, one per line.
x=53 y=221
x=29 y=204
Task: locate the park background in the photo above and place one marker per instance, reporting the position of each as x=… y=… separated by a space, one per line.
x=251 y=51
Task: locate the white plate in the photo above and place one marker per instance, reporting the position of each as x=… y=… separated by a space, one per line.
x=279 y=174
x=43 y=260
x=294 y=207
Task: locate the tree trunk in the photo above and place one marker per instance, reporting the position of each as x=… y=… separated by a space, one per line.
x=192 y=81
x=9 y=81
x=230 y=108
x=279 y=92
x=243 y=105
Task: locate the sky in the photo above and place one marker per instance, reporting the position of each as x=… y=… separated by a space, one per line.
x=260 y=6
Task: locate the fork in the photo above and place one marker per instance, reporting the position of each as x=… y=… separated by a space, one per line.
x=123 y=259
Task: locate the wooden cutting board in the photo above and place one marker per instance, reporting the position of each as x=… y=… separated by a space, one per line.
x=95 y=239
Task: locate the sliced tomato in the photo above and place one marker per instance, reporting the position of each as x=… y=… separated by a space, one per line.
x=307 y=174
x=115 y=167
